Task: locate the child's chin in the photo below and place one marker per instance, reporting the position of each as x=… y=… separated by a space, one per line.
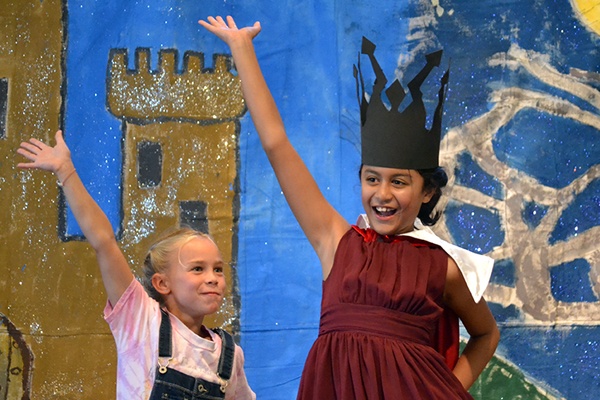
x=380 y=225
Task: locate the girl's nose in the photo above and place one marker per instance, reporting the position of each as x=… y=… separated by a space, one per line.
x=212 y=278
x=383 y=192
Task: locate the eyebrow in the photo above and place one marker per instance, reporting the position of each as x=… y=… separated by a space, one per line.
x=400 y=174
x=204 y=263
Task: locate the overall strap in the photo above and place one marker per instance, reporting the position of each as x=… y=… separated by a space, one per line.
x=165 y=344
x=227 y=353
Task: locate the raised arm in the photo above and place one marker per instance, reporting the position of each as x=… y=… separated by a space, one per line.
x=96 y=227
x=479 y=322
x=321 y=223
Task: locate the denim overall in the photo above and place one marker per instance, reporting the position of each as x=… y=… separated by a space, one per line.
x=174 y=385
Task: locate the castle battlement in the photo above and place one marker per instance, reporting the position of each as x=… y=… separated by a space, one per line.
x=194 y=93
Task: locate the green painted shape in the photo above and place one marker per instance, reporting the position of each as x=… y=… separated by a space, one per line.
x=501 y=380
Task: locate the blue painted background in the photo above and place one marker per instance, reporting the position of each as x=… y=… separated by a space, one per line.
x=307 y=50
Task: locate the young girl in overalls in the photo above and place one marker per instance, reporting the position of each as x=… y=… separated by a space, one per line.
x=164 y=350
x=392 y=290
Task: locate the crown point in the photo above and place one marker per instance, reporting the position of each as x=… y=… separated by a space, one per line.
x=434 y=58
x=446 y=77
x=368 y=47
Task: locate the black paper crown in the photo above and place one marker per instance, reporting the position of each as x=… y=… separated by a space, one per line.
x=395 y=139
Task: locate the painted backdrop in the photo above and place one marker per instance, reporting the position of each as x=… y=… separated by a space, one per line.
x=151 y=109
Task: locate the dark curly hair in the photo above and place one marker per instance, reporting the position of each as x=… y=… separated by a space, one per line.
x=433 y=180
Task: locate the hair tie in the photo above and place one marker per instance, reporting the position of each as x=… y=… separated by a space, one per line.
x=62 y=184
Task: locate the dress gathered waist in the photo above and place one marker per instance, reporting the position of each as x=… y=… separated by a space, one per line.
x=374 y=320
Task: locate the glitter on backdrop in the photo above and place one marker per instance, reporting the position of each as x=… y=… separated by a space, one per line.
x=521 y=149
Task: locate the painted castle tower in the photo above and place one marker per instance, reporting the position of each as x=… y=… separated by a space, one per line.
x=180 y=152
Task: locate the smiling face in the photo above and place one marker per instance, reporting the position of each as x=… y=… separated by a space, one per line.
x=194 y=284
x=392 y=198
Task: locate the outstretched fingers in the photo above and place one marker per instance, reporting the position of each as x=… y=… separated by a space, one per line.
x=43 y=156
x=231 y=22
x=35 y=144
x=214 y=24
x=227 y=30
x=30 y=150
x=58 y=136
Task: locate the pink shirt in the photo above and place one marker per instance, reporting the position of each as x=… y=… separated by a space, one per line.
x=135 y=322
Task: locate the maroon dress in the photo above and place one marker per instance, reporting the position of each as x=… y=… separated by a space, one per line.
x=380 y=311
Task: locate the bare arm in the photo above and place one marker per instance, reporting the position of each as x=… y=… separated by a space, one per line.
x=321 y=223
x=96 y=227
x=479 y=322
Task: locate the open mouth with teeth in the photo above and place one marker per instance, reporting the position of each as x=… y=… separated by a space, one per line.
x=384 y=211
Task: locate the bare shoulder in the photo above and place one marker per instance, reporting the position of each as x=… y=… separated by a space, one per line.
x=454 y=278
x=456 y=293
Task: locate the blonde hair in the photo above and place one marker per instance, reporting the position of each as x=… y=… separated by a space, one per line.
x=157 y=257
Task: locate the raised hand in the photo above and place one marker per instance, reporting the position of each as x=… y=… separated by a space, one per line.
x=228 y=31
x=55 y=159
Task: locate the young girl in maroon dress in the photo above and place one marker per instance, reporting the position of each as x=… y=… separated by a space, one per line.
x=391 y=287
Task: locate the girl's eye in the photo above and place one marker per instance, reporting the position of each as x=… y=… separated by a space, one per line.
x=219 y=268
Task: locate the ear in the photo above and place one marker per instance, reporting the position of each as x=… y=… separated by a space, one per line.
x=428 y=195
x=161 y=283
